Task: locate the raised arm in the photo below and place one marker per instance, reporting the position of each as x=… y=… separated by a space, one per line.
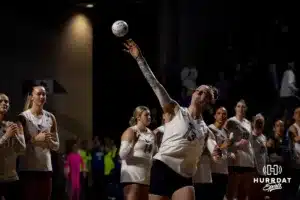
x=159 y=90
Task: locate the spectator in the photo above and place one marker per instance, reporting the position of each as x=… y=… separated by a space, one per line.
x=288 y=90
x=73 y=164
x=86 y=157
x=294 y=133
x=98 y=169
x=110 y=170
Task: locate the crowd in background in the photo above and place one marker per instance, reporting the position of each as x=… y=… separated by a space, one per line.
x=99 y=173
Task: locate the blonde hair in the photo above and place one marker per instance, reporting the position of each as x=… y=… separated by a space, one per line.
x=28 y=102
x=136 y=113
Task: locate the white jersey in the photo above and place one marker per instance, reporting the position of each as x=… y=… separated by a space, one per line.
x=288 y=84
x=136 y=168
x=203 y=172
x=183 y=143
x=161 y=129
x=296 y=147
x=260 y=152
x=220 y=167
x=36 y=158
x=245 y=154
x=204 y=168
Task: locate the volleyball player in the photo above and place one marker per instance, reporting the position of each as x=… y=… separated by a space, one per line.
x=12 y=143
x=40 y=131
x=275 y=145
x=136 y=152
x=220 y=169
x=184 y=137
x=258 y=142
x=294 y=134
x=241 y=169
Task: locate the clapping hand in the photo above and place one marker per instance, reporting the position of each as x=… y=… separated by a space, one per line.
x=41 y=137
x=48 y=137
x=11 y=130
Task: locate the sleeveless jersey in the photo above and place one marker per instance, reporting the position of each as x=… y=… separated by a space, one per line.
x=244 y=155
x=182 y=143
x=36 y=158
x=136 y=168
x=221 y=167
x=296 y=146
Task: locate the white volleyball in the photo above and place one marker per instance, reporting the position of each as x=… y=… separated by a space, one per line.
x=119 y=28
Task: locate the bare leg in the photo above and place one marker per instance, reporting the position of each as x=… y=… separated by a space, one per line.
x=136 y=192
x=157 y=197
x=186 y=193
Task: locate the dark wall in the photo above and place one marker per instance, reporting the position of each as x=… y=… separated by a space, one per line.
x=118 y=81
x=42 y=44
x=175 y=34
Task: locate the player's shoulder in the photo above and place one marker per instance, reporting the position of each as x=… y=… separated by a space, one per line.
x=232 y=119
x=292 y=128
x=48 y=114
x=25 y=113
x=246 y=121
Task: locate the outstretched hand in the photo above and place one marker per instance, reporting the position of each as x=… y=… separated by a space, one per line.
x=132 y=48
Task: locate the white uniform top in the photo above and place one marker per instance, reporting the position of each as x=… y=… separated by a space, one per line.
x=161 y=129
x=288 y=83
x=244 y=155
x=220 y=167
x=36 y=158
x=203 y=173
x=260 y=152
x=296 y=146
x=136 y=168
x=183 y=143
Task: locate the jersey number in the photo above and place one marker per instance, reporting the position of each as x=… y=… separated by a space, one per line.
x=148 y=148
x=190 y=134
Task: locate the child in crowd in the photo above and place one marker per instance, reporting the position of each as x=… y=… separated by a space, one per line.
x=72 y=173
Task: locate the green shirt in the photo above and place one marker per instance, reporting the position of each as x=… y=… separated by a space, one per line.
x=86 y=157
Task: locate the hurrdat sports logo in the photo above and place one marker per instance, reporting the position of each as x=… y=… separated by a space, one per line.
x=271 y=180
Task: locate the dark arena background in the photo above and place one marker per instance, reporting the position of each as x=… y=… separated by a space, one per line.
x=241 y=47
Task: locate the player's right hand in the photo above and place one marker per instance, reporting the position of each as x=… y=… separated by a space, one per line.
x=132 y=48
